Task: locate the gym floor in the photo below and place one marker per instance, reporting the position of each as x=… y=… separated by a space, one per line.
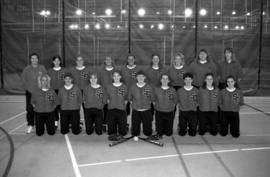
x=84 y=155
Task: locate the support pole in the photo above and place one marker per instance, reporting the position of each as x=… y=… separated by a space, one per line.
x=260 y=45
x=196 y=28
x=129 y=26
x=63 y=34
x=1 y=49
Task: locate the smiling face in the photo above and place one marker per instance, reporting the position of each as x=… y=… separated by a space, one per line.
x=209 y=80
x=44 y=82
x=228 y=55
x=34 y=60
x=79 y=61
x=140 y=78
x=56 y=62
x=231 y=83
x=116 y=77
x=130 y=60
x=188 y=81
x=93 y=79
x=108 y=61
x=155 y=60
x=202 y=56
x=68 y=80
x=178 y=60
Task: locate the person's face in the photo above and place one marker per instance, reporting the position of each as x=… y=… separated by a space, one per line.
x=164 y=80
x=230 y=82
x=188 y=81
x=79 y=61
x=228 y=54
x=178 y=60
x=116 y=77
x=140 y=78
x=44 y=82
x=108 y=61
x=93 y=79
x=34 y=60
x=68 y=80
x=203 y=56
x=155 y=60
x=209 y=80
x=56 y=62
x=131 y=60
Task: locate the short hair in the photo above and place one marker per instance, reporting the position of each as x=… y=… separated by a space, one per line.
x=33 y=54
x=140 y=72
x=68 y=75
x=188 y=74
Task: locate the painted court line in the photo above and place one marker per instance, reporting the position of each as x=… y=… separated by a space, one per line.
x=13 y=117
x=72 y=156
x=13 y=101
x=173 y=155
x=14 y=129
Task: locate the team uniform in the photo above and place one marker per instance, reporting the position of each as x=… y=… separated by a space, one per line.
x=116 y=117
x=225 y=69
x=44 y=102
x=199 y=71
x=57 y=81
x=94 y=100
x=188 y=104
x=230 y=102
x=208 y=110
x=70 y=101
x=129 y=78
x=141 y=99
x=176 y=76
x=30 y=84
x=165 y=101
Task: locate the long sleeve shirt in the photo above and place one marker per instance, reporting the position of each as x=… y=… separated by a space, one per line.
x=153 y=75
x=208 y=99
x=30 y=77
x=187 y=99
x=176 y=75
x=231 y=101
x=81 y=77
x=165 y=99
x=225 y=69
x=44 y=101
x=141 y=97
x=94 y=97
x=70 y=99
x=117 y=96
x=129 y=75
x=105 y=76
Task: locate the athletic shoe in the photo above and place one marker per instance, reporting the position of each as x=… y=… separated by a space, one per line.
x=135 y=138
x=113 y=138
x=29 y=129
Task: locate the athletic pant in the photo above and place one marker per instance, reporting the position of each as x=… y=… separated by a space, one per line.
x=105 y=111
x=42 y=120
x=144 y=117
x=128 y=108
x=208 y=118
x=70 y=117
x=230 y=120
x=30 y=115
x=164 y=122
x=93 y=116
x=117 y=122
x=57 y=110
x=187 y=119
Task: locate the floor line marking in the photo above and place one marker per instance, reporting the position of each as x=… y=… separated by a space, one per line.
x=152 y=157
x=209 y=152
x=253 y=149
x=13 y=130
x=13 y=117
x=99 y=163
x=15 y=101
x=72 y=156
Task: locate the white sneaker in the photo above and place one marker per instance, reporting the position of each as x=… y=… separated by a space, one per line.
x=29 y=129
x=136 y=138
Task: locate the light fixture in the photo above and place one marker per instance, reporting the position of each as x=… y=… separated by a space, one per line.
x=107 y=26
x=169 y=12
x=188 y=12
x=141 y=26
x=233 y=12
x=123 y=11
x=152 y=26
x=242 y=27
x=86 y=26
x=226 y=27
x=248 y=14
x=205 y=26
x=237 y=27
x=74 y=26
x=157 y=13
x=215 y=27
x=141 y=12
x=108 y=12
x=160 y=26
x=97 y=26
x=263 y=13
x=45 y=13
x=218 y=13
x=118 y=26
x=93 y=13
x=172 y=26
x=184 y=27
x=203 y=12
x=78 y=12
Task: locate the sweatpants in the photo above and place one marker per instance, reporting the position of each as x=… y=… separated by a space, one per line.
x=208 y=118
x=117 y=122
x=164 y=122
x=187 y=119
x=144 y=117
x=57 y=110
x=70 y=117
x=93 y=116
x=230 y=120
x=42 y=120
x=30 y=115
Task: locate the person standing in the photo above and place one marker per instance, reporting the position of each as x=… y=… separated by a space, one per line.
x=30 y=76
x=56 y=73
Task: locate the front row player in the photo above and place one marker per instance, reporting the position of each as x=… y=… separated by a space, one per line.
x=70 y=100
x=44 y=101
x=231 y=100
x=187 y=98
